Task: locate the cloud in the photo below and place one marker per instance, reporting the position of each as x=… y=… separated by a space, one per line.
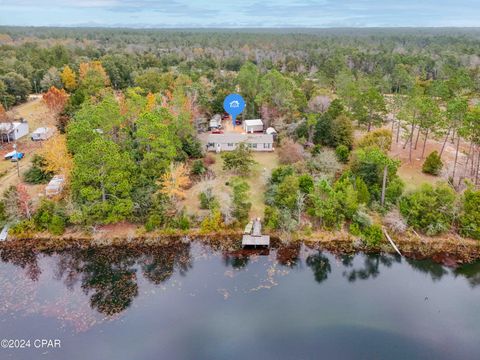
x=245 y=13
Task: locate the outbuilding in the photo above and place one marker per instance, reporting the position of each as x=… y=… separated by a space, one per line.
x=12 y=131
x=55 y=186
x=254 y=125
x=42 y=133
x=215 y=122
x=230 y=141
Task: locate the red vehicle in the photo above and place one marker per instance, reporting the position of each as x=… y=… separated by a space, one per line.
x=225 y=116
x=217 y=131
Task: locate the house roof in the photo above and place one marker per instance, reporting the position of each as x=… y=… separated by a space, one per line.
x=237 y=138
x=253 y=122
x=6 y=126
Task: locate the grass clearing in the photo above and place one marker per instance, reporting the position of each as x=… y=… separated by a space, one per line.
x=257 y=180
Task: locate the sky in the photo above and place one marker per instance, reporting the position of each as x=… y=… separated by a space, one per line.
x=244 y=13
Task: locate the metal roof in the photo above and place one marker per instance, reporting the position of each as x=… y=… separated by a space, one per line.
x=237 y=138
x=253 y=122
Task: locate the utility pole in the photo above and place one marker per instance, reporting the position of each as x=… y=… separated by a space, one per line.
x=17 y=160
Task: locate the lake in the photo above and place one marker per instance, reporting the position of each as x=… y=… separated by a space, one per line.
x=190 y=301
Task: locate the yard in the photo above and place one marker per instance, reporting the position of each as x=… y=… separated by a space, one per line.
x=37 y=115
x=257 y=180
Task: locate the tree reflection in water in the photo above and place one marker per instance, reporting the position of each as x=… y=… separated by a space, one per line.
x=24 y=258
x=428 y=266
x=160 y=263
x=320 y=265
x=471 y=272
x=371 y=266
x=109 y=275
x=236 y=260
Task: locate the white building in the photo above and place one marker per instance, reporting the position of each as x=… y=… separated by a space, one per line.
x=12 y=131
x=55 y=186
x=254 y=125
x=216 y=122
x=229 y=141
x=43 y=133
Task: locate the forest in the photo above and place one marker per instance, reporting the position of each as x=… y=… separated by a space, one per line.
x=128 y=103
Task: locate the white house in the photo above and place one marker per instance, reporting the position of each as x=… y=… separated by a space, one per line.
x=12 y=131
x=254 y=125
x=229 y=141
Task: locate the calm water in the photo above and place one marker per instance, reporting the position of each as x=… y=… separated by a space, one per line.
x=192 y=302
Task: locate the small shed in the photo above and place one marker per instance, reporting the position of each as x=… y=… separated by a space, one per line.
x=55 y=186
x=42 y=133
x=12 y=131
x=215 y=122
x=254 y=125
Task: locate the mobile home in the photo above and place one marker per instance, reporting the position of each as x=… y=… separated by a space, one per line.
x=229 y=141
x=12 y=131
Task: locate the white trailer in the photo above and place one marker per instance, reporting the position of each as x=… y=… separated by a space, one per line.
x=215 y=122
x=42 y=133
x=254 y=125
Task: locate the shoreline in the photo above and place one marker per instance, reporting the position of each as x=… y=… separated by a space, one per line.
x=449 y=249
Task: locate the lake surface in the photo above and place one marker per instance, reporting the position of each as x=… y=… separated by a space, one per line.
x=190 y=301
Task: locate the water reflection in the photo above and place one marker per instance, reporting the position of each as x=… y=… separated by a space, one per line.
x=429 y=267
x=370 y=267
x=471 y=272
x=109 y=276
x=24 y=258
x=320 y=265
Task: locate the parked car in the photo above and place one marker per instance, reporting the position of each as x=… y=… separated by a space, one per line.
x=17 y=157
x=9 y=155
x=217 y=131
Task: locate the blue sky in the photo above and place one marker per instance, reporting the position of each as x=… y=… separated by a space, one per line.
x=244 y=13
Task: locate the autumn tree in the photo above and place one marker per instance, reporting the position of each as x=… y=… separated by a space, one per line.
x=56 y=156
x=151 y=101
x=174 y=182
x=55 y=99
x=69 y=78
x=3 y=113
x=24 y=201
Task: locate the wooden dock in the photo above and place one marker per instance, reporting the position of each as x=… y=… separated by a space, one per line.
x=252 y=236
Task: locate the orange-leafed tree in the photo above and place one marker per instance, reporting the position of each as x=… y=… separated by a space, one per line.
x=57 y=158
x=3 y=113
x=175 y=181
x=69 y=78
x=55 y=99
x=24 y=201
x=151 y=101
